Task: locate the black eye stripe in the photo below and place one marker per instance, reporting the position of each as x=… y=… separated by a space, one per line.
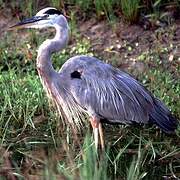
x=46 y=16
x=53 y=11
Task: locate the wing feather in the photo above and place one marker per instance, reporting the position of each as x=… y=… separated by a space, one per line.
x=107 y=92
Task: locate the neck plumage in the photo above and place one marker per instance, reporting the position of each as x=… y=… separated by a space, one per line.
x=44 y=64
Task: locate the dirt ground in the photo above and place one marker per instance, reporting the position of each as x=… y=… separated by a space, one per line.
x=125 y=43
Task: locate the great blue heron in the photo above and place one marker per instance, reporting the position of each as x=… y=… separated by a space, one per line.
x=87 y=85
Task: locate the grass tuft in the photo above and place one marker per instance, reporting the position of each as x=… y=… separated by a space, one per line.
x=130 y=10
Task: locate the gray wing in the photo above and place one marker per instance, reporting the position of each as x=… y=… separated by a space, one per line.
x=106 y=92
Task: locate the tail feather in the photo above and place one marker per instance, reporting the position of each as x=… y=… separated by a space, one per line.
x=162 y=117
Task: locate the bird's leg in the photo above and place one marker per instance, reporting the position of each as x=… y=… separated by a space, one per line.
x=101 y=136
x=96 y=137
x=95 y=125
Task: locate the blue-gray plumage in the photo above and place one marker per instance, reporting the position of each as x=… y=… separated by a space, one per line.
x=87 y=85
x=108 y=93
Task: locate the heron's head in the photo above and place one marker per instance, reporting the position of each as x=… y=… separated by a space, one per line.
x=47 y=17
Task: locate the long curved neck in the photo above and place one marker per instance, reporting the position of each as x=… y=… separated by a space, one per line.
x=44 y=64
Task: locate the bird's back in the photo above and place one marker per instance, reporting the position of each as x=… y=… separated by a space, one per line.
x=108 y=93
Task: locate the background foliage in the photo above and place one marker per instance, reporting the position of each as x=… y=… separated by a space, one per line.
x=33 y=141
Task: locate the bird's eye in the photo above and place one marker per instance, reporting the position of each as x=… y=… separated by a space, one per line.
x=46 y=16
x=76 y=74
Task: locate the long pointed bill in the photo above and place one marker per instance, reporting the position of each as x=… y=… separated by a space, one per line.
x=27 y=23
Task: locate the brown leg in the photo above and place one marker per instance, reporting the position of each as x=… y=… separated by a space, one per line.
x=95 y=125
x=101 y=136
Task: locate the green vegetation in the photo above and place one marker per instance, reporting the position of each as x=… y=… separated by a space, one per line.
x=35 y=144
x=130 y=9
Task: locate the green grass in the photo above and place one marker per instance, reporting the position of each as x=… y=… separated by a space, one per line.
x=130 y=10
x=40 y=146
x=29 y=124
